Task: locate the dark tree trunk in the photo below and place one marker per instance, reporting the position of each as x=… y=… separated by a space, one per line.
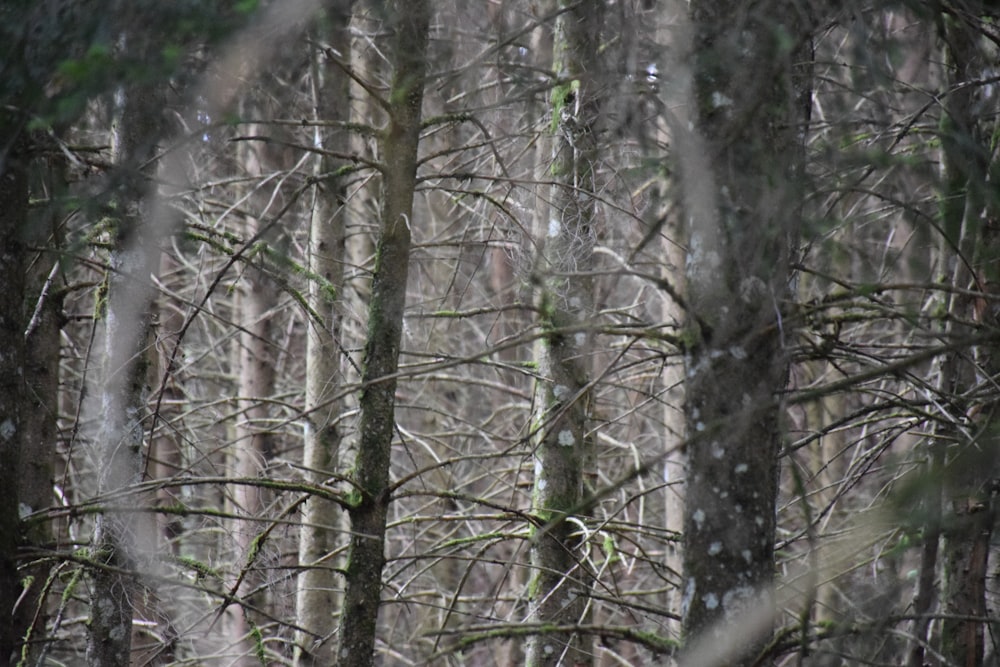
x=13 y=216
x=362 y=598
x=738 y=169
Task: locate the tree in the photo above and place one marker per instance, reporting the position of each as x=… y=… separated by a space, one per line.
x=14 y=203
x=371 y=494
x=327 y=242
x=116 y=551
x=738 y=169
x=564 y=454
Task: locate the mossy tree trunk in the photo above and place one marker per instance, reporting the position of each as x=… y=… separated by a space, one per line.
x=123 y=397
x=737 y=160
x=409 y=22
x=564 y=454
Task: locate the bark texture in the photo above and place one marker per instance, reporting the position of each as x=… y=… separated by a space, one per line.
x=317 y=585
x=564 y=451
x=969 y=211
x=409 y=22
x=738 y=171
x=123 y=399
x=13 y=216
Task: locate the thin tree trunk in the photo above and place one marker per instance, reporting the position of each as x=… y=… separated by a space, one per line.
x=317 y=584
x=561 y=582
x=409 y=21
x=123 y=398
x=253 y=446
x=966 y=204
x=740 y=204
x=40 y=418
x=13 y=217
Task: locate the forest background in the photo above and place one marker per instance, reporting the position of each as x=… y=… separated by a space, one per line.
x=495 y=332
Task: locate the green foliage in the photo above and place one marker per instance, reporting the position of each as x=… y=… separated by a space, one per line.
x=257 y=637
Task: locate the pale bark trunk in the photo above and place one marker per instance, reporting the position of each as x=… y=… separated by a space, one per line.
x=564 y=454
x=250 y=452
x=123 y=399
x=317 y=597
x=409 y=21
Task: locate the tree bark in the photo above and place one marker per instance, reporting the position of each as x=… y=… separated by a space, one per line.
x=317 y=584
x=409 y=21
x=561 y=582
x=737 y=168
x=44 y=311
x=13 y=219
x=123 y=398
x=968 y=209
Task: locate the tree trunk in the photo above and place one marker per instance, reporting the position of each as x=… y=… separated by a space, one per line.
x=123 y=398
x=253 y=446
x=317 y=583
x=40 y=418
x=409 y=21
x=13 y=219
x=968 y=208
x=561 y=582
x=737 y=169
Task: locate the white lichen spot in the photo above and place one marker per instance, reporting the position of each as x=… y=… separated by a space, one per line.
x=560 y=391
x=759 y=520
x=554 y=227
x=699 y=518
x=117 y=633
x=575 y=303
x=747 y=556
x=695 y=413
x=580 y=338
x=699 y=426
x=548 y=649
x=738 y=352
x=566 y=438
x=724 y=494
x=23 y=510
x=719 y=100
x=715 y=354
x=711 y=601
x=715 y=548
x=746 y=400
x=542 y=483
x=738 y=599
x=718 y=451
x=688 y=596
x=741 y=468
x=344 y=652
x=7 y=429
x=738 y=508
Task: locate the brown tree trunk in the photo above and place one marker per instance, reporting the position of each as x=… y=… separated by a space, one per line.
x=968 y=207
